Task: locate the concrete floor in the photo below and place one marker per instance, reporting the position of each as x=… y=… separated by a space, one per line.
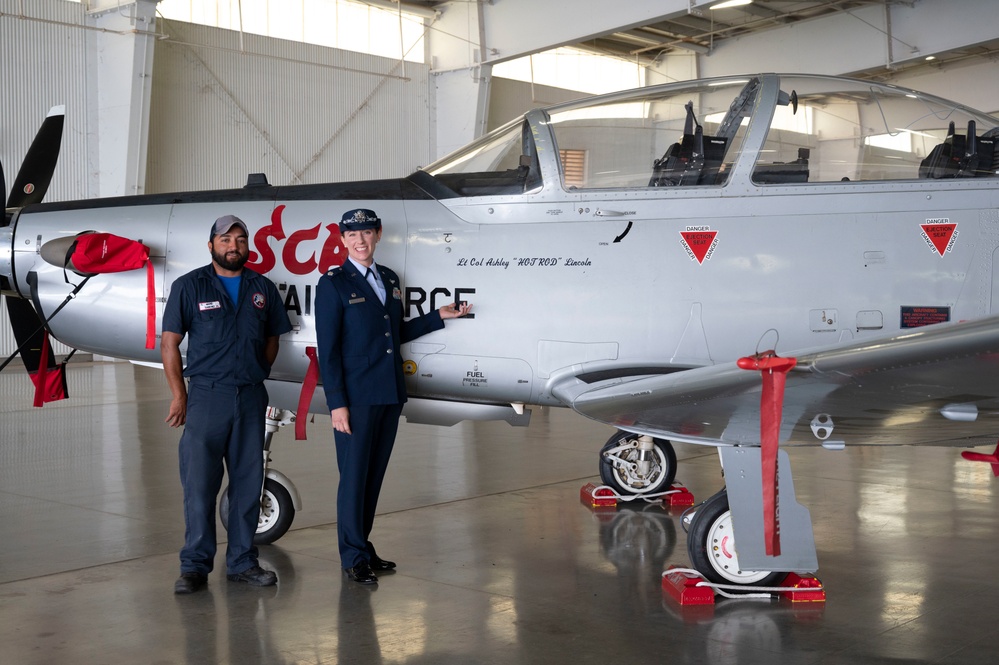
x=499 y=562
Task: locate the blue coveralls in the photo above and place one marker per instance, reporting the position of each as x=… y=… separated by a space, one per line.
x=358 y=341
x=226 y=406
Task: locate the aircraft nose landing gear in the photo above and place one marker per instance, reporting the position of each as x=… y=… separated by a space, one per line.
x=279 y=499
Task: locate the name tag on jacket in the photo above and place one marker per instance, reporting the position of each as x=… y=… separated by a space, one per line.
x=205 y=306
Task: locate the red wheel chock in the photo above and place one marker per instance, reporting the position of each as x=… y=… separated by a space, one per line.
x=688 y=588
x=601 y=496
x=684 y=588
x=597 y=497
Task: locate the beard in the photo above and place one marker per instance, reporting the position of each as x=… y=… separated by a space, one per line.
x=234 y=264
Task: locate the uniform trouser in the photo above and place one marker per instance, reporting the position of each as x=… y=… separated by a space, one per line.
x=225 y=425
x=362 y=457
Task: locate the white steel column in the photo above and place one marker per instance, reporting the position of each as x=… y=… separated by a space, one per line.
x=460 y=80
x=121 y=51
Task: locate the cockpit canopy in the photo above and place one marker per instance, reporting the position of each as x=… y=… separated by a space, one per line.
x=776 y=130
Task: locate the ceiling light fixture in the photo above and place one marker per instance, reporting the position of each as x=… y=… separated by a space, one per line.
x=725 y=4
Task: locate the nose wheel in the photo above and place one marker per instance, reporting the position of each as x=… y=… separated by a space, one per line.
x=277 y=512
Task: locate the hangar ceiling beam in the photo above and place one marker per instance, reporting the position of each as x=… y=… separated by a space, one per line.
x=858 y=39
x=514 y=28
x=469 y=37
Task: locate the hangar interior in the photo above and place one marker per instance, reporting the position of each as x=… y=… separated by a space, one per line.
x=499 y=560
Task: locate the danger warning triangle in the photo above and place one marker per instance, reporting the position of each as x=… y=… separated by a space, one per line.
x=699 y=243
x=939 y=235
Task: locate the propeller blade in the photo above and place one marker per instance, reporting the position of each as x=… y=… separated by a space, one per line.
x=28 y=331
x=39 y=164
x=29 y=186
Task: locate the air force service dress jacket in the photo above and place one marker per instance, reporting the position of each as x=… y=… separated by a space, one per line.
x=358 y=338
x=225 y=340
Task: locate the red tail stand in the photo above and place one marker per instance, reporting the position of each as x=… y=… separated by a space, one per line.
x=992 y=459
x=774 y=371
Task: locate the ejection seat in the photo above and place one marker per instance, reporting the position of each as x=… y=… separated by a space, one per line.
x=695 y=160
x=965 y=156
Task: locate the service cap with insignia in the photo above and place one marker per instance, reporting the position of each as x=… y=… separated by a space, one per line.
x=359 y=218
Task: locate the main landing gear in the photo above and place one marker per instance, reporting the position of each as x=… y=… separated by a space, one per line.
x=279 y=499
x=712 y=549
x=747 y=564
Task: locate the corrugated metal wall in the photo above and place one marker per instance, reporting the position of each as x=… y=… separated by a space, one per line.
x=299 y=113
x=43 y=63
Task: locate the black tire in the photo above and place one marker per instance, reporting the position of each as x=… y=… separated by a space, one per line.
x=624 y=480
x=277 y=512
x=712 y=551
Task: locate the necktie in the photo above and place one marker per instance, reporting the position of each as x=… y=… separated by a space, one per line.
x=376 y=283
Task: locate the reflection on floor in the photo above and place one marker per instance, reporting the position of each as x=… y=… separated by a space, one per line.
x=498 y=560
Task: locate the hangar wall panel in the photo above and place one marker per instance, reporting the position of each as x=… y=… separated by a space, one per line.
x=43 y=63
x=299 y=113
x=509 y=98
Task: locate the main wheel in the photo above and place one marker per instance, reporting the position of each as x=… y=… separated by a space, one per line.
x=619 y=465
x=712 y=549
x=277 y=512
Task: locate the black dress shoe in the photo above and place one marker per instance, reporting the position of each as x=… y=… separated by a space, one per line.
x=255 y=576
x=190 y=582
x=381 y=564
x=361 y=573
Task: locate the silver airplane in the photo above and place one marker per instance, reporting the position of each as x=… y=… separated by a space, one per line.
x=751 y=263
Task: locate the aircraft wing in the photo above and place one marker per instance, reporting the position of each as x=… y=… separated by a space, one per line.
x=937 y=385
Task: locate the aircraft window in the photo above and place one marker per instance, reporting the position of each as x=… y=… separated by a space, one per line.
x=502 y=162
x=687 y=136
x=866 y=132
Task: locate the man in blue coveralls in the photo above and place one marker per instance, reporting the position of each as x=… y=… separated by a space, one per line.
x=233 y=318
x=359 y=329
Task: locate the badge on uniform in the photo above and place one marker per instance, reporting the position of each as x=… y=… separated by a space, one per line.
x=259 y=301
x=354 y=301
x=205 y=306
x=396 y=293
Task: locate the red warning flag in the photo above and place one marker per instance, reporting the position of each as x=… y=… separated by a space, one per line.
x=774 y=372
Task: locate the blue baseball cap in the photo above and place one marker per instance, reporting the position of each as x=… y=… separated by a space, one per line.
x=359 y=218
